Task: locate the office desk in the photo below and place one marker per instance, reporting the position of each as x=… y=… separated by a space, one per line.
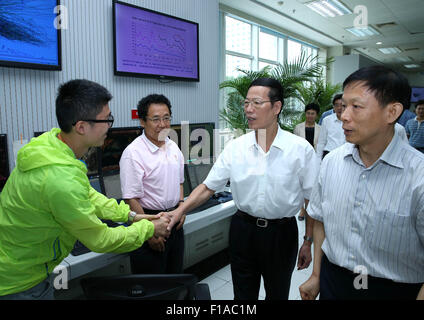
x=77 y=266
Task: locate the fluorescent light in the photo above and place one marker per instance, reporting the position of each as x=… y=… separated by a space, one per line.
x=390 y=50
x=411 y=66
x=329 y=8
x=379 y=42
x=363 y=32
x=403 y=59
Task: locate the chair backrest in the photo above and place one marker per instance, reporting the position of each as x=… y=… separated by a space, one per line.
x=141 y=287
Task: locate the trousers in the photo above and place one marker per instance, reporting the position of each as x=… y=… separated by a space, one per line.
x=259 y=249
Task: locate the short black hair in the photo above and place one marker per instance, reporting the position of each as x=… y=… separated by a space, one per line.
x=276 y=92
x=419 y=102
x=144 y=104
x=337 y=97
x=79 y=99
x=386 y=84
x=312 y=106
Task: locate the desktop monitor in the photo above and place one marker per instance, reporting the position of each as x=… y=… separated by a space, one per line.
x=4 y=161
x=30 y=34
x=196 y=139
x=148 y=43
x=115 y=143
x=195 y=174
x=417 y=94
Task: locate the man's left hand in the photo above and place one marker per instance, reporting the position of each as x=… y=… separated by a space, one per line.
x=305 y=257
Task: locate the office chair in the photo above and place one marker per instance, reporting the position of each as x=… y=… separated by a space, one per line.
x=145 y=287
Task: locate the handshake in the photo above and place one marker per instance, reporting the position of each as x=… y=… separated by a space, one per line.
x=164 y=222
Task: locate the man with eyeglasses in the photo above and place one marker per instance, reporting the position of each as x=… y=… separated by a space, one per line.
x=48 y=203
x=331 y=135
x=272 y=173
x=152 y=177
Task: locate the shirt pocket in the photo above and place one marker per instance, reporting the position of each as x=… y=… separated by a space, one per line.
x=390 y=231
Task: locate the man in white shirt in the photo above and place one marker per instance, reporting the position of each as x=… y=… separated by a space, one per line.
x=272 y=173
x=368 y=204
x=331 y=135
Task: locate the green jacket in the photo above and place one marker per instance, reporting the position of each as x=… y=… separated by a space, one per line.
x=48 y=203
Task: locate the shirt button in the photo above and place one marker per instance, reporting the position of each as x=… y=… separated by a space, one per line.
x=364 y=176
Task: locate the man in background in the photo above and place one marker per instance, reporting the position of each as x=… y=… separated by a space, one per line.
x=331 y=135
x=415 y=128
x=152 y=177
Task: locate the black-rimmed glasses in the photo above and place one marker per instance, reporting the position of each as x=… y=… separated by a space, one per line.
x=109 y=120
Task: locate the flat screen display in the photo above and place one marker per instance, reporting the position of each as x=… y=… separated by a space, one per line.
x=4 y=161
x=417 y=94
x=29 y=37
x=152 y=44
x=115 y=143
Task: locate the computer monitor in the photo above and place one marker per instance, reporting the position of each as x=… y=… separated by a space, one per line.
x=115 y=143
x=4 y=161
x=195 y=139
x=91 y=159
x=145 y=287
x=195 y=174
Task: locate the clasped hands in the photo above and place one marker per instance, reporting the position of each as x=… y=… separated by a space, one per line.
x=163 y=223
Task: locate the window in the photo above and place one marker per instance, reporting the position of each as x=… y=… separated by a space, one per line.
x=249 y=46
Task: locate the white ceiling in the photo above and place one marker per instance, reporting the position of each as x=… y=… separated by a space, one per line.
x=407 y=32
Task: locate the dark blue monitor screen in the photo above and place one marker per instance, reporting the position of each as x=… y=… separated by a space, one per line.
x=30 y=34
x=152 y=44
x=417 y=94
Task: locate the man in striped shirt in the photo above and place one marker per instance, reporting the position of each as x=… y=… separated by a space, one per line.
x=368 y=204
x=415 y=128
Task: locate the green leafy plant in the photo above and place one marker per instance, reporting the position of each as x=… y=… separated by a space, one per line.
x=289 y=74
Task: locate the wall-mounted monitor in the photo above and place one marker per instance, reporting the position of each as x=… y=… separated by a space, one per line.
x=4 y=161
x=28 y=35
x=148 y=43
x=417 y=94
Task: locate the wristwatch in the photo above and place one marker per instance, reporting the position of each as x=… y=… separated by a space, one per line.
x=131 y=217
x=306 y=238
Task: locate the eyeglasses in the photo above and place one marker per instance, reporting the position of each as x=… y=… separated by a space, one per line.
x=158 y=120
x=255 y=103
x=109 y=120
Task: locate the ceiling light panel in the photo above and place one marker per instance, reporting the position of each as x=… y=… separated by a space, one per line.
x=329 y=8
x=390 y=50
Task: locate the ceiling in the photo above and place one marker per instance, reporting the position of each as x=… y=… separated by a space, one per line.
x=400 y=23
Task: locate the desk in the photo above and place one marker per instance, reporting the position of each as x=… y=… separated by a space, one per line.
x=77 y=266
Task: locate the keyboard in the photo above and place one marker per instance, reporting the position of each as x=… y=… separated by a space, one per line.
x=80 y=248
x=216 y=199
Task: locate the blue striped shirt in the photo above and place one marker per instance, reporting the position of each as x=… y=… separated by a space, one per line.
x=373 y=217
x=415 y=130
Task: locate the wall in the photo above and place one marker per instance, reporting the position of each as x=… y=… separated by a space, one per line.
x=343 y=66
x=27 y=96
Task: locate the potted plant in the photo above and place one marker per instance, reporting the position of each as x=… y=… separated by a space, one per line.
x=304 y=68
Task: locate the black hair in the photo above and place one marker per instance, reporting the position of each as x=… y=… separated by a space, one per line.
x=144 y=104
x=276 y=92
x=337 y=97
x=79 y=99
x=312 y=106
x=386 y=84
x=418 y=103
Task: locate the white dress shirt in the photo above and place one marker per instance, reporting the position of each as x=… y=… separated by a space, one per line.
x=331 y=135
x=373 y=217
x=270 y=185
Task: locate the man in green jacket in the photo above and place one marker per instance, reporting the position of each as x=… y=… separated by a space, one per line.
x=48 y=203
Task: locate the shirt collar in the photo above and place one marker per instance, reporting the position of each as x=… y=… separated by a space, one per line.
x=152 y=147
x=278 y=140
x=392 y=155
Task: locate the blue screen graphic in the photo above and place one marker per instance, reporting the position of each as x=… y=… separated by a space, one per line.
x=27 y=32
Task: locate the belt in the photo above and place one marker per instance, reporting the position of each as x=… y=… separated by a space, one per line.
x=150 y=211
x=262 y=222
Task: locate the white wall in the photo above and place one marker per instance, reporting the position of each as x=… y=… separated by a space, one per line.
x=27 y=97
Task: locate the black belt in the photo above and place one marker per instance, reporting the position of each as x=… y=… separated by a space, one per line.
x=262 y=222
x=150 y=211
